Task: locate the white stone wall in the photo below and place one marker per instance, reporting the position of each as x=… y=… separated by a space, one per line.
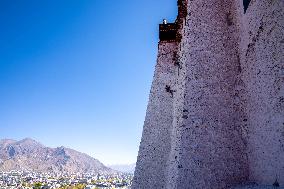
x=262 y=59
x=224 y=125
x=179 y=110
x=156 y=142
x=210 y=150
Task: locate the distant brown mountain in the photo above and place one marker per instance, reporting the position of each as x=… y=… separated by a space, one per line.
x=28 y=154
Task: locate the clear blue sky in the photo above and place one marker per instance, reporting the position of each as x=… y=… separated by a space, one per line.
x=77 y=73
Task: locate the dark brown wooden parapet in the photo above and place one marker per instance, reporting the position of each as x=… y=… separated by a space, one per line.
x=168 y=32
x=171 y=31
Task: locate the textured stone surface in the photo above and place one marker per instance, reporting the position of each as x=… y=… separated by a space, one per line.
x=262 y=62
x=155 y=145
x=225 y=121
x=255 y=186
x=209 y=149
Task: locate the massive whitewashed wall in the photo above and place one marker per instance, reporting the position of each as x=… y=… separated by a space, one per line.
x=209 y=148
x=224 y=123
x=262 y=67
x=155 y=145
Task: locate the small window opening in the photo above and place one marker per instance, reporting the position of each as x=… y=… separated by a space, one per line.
x=246 y=4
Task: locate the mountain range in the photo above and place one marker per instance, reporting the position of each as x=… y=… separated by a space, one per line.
x=28 y=154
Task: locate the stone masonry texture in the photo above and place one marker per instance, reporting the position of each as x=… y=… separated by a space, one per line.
x=215 y=117
x=155 y=145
